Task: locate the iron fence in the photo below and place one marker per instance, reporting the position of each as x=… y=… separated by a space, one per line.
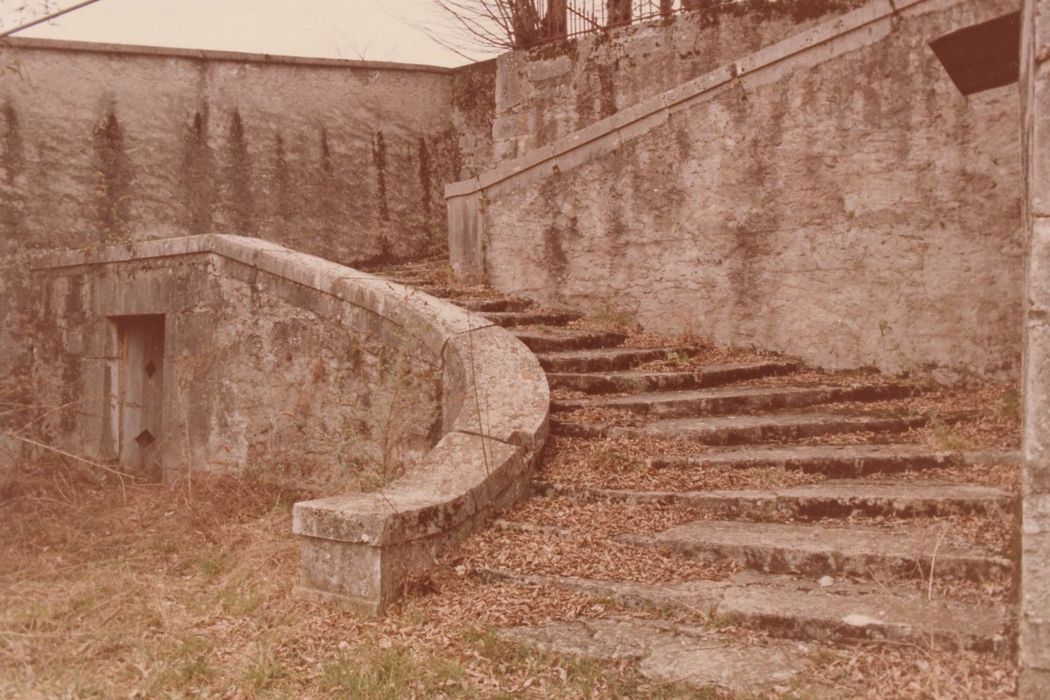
x=565 y=19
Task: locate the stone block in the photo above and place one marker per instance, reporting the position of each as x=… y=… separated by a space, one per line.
x=775 y=68
x=358 y=549
x=1033 y=684
x=827 y=31
x=1035 y=645
x=463 y=187
x=11 y=452
x=550 y=69
x=1039 y=142
x=643 y=125
x=494 y=386
x=509 y=86
x=465 y=240
x=519 y=180
x=688 y=92
x=588 y=151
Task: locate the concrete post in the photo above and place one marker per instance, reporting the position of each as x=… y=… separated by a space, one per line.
x=1034 y=622
x=556 y=20
x=618 y=12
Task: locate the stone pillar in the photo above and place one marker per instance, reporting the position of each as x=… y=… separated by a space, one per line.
x=556 y=20
x=618 y=12
x=1034 y=619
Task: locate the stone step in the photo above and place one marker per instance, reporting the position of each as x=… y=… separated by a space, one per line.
x=408 y=279
x=789 y=607
x=440 y=291
x=510 y=319
x=721 y=401
x=828 y=499
x=798 y=608
x=669 y=653
x=819 y=550
x=637 y=382
x=743 y=430
x=609 y=360
x=563 y=339
x=500 y=304
x=840 y=461
x=416 y=266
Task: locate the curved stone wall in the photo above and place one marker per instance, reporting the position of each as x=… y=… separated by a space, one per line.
x=270 y=361
x=110 y=144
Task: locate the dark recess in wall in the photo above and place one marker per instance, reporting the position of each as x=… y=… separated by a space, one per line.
x=198 y=174
x=12 y=199
x=112 y=178
x=379 y=161
x=239 y=178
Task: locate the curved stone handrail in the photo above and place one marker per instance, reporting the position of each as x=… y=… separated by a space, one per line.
x=466 y=225
x=358 y=549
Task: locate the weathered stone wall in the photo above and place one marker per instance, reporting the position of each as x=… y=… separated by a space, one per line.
x=104 y=144
x=1034 y=608
x=839 y=201
x=267 y=359
x=473 y=112
x=260 y=374
x=551 y=91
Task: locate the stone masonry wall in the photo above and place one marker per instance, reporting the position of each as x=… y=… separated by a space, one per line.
x=414 y=420
x=473 y=111
x=260 y=374
x=104 y=144
x=549 y=92
x=1034 y=599
x=847 y=205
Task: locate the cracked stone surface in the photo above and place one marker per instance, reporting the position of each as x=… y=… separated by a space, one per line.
x=830 y=498
x=819 y=549
x=670 y=654
x=805 y=609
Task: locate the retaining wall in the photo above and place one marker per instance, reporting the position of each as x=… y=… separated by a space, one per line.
x=833 y=197
x=1034 y=583
x=549 y=92
x=102 y=144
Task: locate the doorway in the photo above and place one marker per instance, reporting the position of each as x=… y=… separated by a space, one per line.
x=140 y=393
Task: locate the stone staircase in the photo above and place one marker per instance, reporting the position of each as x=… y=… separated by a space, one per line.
x=699 y=489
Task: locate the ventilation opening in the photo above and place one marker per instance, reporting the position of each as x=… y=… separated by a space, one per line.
x=984 y=56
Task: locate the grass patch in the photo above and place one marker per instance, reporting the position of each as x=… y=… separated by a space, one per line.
x=610 y=320
x=159 y=592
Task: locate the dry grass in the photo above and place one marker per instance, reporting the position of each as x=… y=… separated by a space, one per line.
x=976 y=418
x=694 y=353
x=159 y=591
x=620 y=463
x=185 y=590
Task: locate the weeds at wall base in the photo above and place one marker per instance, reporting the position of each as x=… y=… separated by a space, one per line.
x=163 y=596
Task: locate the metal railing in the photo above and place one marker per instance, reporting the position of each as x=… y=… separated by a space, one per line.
x=565 y=19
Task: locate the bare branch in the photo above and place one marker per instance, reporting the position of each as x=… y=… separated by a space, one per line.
x=500 y=24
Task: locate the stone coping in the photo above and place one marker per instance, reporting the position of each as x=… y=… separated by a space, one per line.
x=212 y=55
x=495 y=403
x=431 y=319
x=606 y=135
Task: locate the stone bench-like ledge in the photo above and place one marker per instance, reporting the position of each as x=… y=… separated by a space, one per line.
x=359 y=549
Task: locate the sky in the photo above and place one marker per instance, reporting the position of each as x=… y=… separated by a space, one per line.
x=375 y=30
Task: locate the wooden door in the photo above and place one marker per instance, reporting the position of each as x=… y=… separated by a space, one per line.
x=141 y=342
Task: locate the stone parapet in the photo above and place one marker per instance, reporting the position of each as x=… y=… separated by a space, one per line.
x=492 y=416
